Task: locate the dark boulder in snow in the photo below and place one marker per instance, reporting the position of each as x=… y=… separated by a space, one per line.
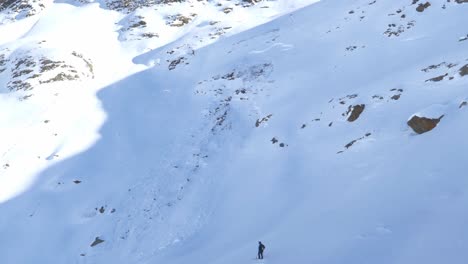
x=464 y=70
x=355 y=111
x=96 y=242
x=422 y=7
x=422 y=125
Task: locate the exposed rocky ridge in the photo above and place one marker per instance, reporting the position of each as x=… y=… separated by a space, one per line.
x=30 y=69
x=132 y=5
x=134 y=28
x=3 y=62
x=18 y=9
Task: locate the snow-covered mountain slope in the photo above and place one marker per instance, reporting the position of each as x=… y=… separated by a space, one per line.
x=186 y=132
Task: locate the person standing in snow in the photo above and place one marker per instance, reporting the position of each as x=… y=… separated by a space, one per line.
x=261 y=248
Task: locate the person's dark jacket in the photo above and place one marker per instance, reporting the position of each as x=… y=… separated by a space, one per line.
x=261 y=247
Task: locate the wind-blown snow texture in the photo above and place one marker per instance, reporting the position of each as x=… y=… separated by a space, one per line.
x=184 y=132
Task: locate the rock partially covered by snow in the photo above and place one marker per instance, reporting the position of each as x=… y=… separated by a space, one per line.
x=422 y=125
x=427 y=119
x=96 y=242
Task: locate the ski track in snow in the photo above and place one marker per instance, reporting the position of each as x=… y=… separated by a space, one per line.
x=281 y=47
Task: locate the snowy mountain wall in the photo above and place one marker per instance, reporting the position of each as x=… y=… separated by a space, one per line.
x=185 y=132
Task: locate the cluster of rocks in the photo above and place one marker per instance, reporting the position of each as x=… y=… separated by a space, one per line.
x=29 y=70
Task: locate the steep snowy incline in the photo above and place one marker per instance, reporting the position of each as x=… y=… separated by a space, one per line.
x=49 y=78
x=54 y=69
x=296 y=133
x=311 y=184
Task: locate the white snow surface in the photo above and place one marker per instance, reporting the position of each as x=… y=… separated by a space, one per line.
x=190 y=136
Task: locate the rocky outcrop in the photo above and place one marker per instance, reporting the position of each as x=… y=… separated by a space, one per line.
x=130 y=5
x=3 y=62
x=438 y=78
x=179 y=20
x=7 y=3
x=255 y=1
x=422 y=125
x=31 y=69
x=18 y=9
x=352 y=142
x=135 y=28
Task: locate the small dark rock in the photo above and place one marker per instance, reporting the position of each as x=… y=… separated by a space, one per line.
x=422 y=7
x=173 y=64
x=264 y=119
x=350 y=144
x=96 y=242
